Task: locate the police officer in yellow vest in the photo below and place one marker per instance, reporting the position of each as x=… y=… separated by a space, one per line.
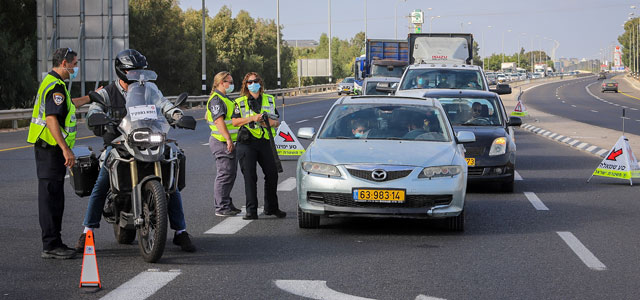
x=53 y=133
x=254 y=146
x=222 y=143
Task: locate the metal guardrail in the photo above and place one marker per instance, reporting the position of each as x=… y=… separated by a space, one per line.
x=22 y=114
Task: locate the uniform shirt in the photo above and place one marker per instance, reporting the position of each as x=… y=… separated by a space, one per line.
x=56 y=101
x=254 y=105
x=217 y=107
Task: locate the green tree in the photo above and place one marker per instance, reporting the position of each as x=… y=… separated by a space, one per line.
x=625 y=39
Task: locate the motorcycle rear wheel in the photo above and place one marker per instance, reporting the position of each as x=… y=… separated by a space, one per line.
x=153 y=235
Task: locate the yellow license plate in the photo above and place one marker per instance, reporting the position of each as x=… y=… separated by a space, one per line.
x=376 y=195
x=471 y=161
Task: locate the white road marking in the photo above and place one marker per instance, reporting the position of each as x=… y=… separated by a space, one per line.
x=535 y=201
x=567 y=139
x=551 y=136
x=582 y=145
x=563 y=101
x=516 y=176
x=143 y=285
x=547 y=133
x=205 y=144
x=591 y=148
x=633 y=108
x=423 y=297
x=318 y=117
x=581 y=251
x=288 y=184
x=302 y=121
x=573 y=142
x=616 y=104
x=624 y=106
x=573 y=105
x=231 y=225
x=542 y=131
x=603 y=151
x=314 y=289
x=595 y=111
x=558 y=137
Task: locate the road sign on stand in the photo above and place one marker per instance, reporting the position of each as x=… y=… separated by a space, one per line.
x=619 y=163
x=520 y=110
x=287 y=143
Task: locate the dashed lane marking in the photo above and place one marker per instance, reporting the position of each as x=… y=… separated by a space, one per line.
x=573 y=105
x=231 y=225
x=318 y=117
x=594 y=111
x=314 y=289
x=287 y=185
x=205 y=144
x=302 y=121
x=591 y=148
x=143 y=285
x=582 y=145
x=574 y=142
x=535 y=201
x=581 y=251
x=552 y=135
x=516 y=176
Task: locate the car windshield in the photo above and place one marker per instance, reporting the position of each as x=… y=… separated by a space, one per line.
x=442 y=79
x=387 y=71
x=385 y=122
x=348 y=80
x=472 y=111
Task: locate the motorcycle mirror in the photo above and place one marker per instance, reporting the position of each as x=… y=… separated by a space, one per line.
x=181 y=99
x=98 y=119
x=187 y=122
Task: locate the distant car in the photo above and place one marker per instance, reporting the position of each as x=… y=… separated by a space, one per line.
x=501 y=78
x=492 y=157
x=383 y=156
x=602 y=76
x=609 y=85
x=346 y=86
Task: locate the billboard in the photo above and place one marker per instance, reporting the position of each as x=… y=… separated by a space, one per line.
x=314 y=67
x=617 y=58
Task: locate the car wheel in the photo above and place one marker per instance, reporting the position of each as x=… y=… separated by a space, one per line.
x=507 y=186
x=455 y=223
x=306 y=220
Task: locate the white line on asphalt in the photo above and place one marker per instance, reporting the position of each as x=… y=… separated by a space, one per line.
x=288 y=184
x=541 y=131
x=314 y=289
x=559 y=137
x=573 y=105
x=562 y=100
x=591 y=148
x=231 y=225
x=573 y=142
x=637 y=120
x=621 y=106
x=423 y=297
x=566 y=139
x=535 y=201
x=581 y=251
x=616 y=104
x=603 y=151
x=301 y=121
x=595 y=111
x=207 y=144
x=143 y=285
x=516 y=176
x=551 y=136
x=582 y=145
x=318 y=117
x=633 y=108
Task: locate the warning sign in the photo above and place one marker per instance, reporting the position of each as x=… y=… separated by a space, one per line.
x=287 y=143
x=620 y=162
x=520 y=110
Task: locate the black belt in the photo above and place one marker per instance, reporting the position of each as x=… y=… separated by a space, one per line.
x=43 y=144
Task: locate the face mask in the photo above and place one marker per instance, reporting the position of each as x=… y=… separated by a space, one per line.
x=230 y=88
x=254 y=87
x=357 y=135
x=420 y=81
x=73 y=75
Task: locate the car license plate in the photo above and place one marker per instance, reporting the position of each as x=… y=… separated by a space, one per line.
x=345 y=89
x=609 y=84
x=471 y=161
x=378 y=195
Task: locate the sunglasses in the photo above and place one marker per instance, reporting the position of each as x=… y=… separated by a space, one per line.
x=253 y=81
x=66 y=53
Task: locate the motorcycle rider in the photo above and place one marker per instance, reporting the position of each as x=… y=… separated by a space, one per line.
x=114 y=97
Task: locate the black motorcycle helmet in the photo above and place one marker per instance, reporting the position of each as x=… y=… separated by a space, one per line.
x=129 y=59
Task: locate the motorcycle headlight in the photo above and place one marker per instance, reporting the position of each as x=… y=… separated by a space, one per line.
x=143 y=137
x=322 y=169
x=441 y=171
x=498 y=147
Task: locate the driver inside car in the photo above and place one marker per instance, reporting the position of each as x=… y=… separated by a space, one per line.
x=113 y=96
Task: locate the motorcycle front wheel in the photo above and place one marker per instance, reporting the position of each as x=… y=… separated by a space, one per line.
x=153 y=235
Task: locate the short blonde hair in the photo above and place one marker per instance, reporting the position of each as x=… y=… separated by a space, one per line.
x=217 y=80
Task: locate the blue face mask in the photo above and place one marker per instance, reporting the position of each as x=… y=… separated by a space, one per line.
x=254 y=87
x=420 y=81
x=73 y=75
x=357 y=135
x=230 y=88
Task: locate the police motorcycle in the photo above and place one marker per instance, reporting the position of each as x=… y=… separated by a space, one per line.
x=144 y=166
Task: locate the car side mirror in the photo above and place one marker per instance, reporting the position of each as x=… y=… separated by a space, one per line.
x=515 y=121
x=98 y=119
x=187 y=122
x=502 y=89
x=306 y=133
x=465 y=137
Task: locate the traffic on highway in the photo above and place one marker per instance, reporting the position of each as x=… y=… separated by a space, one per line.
x=418 y=167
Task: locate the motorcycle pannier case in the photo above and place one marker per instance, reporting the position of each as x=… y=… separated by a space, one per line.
x=84 y=173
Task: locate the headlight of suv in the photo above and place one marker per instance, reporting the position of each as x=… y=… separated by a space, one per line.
x=442 y=171
x=498 y=147
x=322 y=169
x=143 y=137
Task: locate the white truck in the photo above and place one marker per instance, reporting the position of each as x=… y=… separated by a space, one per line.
x=509 y=67
x=540 y=70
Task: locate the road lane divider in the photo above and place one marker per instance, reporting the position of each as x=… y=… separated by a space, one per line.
x=301 y=121
x=516 y=176
x=318 y=117
x=287 y=185
x=535 y=201
x=575 y=143
x=581 y=251
x=232 y=225
x=143 y=285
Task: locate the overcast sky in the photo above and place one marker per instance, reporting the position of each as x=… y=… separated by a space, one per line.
x=582 y=27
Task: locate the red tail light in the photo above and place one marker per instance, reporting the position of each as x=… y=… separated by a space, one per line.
x=616 y=84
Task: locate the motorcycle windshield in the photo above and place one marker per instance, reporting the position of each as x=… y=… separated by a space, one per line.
x=143 y=109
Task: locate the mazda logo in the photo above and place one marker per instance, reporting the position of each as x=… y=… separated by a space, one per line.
x=379 y=175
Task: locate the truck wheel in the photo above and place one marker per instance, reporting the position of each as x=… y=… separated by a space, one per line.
x=306 y=220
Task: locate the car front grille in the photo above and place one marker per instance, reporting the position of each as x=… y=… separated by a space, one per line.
x=411 y=201
x=391 y=175
x=473 y=151
x=475 y=171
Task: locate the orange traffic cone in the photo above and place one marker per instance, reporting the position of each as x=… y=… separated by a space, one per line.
x=90 y=276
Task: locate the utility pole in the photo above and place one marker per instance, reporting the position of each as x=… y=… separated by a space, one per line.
x=365 y=34
x=204 y=54
x=278 y=40
x=365 y=18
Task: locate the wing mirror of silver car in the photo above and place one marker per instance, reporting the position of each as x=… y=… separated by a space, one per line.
x=515 y=121
x=306 y=133
x=465 y=137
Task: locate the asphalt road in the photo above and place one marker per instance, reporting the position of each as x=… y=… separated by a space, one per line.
x=510 y=248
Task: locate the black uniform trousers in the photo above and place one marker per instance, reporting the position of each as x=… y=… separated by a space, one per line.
x=258 y=151
x=51 y=171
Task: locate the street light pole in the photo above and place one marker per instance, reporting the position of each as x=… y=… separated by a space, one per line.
x=204 y=54
x=431 y=23
x=365 y=34
x=365 y=18
x=396 y=17
x=278 y=41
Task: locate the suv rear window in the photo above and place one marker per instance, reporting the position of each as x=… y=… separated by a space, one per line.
x=442 y=79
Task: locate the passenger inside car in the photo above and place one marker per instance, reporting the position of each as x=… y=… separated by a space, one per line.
x=359 y=128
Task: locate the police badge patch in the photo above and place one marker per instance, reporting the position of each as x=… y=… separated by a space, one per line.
x=58 y=98
x=237 y=110
x=216 y=109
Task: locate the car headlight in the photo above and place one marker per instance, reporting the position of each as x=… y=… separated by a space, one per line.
x=442 y=171
x=498 y=147
x=322 y=169
x=143 y=137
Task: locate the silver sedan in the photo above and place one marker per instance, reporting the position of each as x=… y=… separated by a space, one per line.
x=383 y=156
